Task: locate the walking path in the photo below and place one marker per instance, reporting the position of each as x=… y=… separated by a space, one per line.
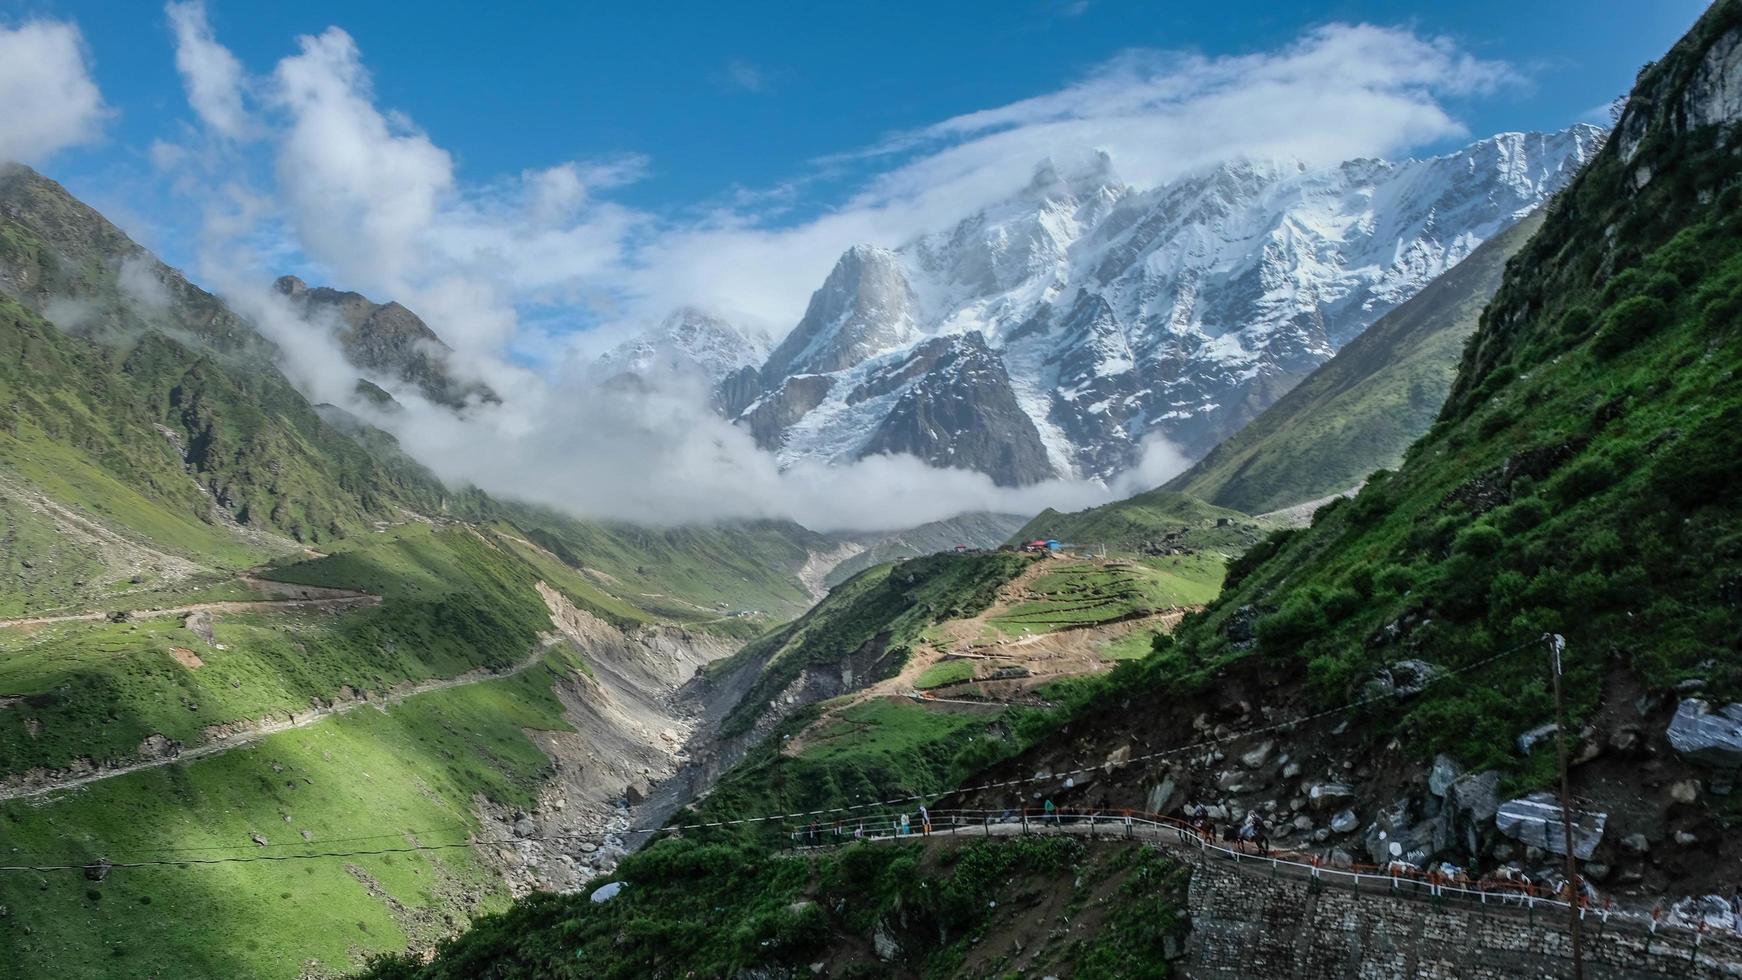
x=1398 y=883
x=36 y=782
x=291 y=596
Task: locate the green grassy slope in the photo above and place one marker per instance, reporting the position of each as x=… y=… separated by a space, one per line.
x=1080 y=594
x=873 y=617
x=1147 y=519
x=777 y=916
x=1579 y=480
x=368 y=779
x=1360 y=410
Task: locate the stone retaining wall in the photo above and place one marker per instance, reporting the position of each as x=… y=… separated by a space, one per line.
x=1247 y=924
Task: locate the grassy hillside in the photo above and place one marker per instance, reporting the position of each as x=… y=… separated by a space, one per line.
x=1360 y=410
x=939 y=901
x=1156 y=519
x=977 y=530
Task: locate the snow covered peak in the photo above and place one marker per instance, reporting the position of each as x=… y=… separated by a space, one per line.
x=1118 y=314
x=691 y=341
x=865 y=307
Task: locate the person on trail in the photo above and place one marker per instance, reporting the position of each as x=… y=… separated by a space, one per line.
x=904 y=825
x=859 y=832
x=1052 y=812
x=924 y=822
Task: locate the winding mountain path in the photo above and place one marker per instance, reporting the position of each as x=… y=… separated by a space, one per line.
x=36 y=782
x=288 y=596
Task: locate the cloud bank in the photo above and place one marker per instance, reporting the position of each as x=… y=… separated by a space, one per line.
x=508 y=270
x=48 y=100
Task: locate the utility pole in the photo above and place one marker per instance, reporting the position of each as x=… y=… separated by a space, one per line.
x=1557 y=643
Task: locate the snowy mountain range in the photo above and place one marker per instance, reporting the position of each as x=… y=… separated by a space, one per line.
x=1054 y=333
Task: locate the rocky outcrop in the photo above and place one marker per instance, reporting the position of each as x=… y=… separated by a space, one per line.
x=1536 y=820
x=963 y=413
x=1707 y=736
x=865 y=307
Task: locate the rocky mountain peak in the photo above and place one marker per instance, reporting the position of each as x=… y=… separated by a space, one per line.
x=865 y=307
x=386 y=339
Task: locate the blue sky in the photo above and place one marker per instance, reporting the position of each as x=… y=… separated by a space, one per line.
x=688 y=120
x=724 y=95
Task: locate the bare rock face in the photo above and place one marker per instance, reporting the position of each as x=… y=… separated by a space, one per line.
x=1714 y=95
x=1706 y=736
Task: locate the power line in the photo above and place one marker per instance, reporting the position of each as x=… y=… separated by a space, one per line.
x=739 y=821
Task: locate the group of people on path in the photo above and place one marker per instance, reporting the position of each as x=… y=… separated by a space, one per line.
x=1252 y=830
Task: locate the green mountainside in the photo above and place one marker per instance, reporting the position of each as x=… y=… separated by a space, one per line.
x=178 y=675
x=1157 y=520
x=1361 y=409
x=1579 y=480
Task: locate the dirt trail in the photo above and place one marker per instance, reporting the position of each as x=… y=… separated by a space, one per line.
x=36 y=782
x=290 y=596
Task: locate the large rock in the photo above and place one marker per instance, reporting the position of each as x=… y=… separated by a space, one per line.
x=1324 y=796
x=1712 y=738
x=1471 y=802
x=1401 y=832
x=1536 y=820
x=1402 y=679
x=1444 y=773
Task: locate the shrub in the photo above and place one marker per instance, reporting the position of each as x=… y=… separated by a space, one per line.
x=1575 y=322
x=1629 y=322
x=1393 y=579
x=1522 y=515
x=1623 y=284
x=1479 y=541
x=1702 y=467
x=1300 y=619
x=1588 y=476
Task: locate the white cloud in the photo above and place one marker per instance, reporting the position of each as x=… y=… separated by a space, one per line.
x=48 y=100
x=210 y=73
x=744 y=76
x=375 y=202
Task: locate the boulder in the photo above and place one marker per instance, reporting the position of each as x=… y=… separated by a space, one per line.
x=1402 y=679
x=604 y=893
x=1258 y=755
x=1291 y=770
x=1163 y=798
x=1325 y=796
x=637 y=792
x=1401 y=833
x=1345 y=821
x=1444 y=773
x=1536 y=821
x=1685 y=791
x=1527 y=741
x=884 y=944
x=98 y=870
x=1637 y=843
x=1706 y=736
